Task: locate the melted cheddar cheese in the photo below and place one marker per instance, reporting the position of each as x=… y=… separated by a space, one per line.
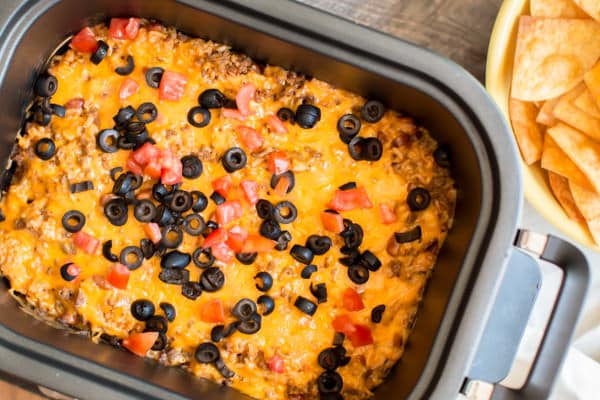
x=35 y=245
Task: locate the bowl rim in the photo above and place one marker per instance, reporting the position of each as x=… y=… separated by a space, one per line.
x=498 y=73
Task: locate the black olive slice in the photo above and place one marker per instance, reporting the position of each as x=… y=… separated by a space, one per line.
x=192 y=167
x=418 y=199
x=69 y=272
x=285 y=212
x=305 y=305
x=307 y=116
x=174 y=276
x=308 y=271
x=408 y=236
x=203 y=257
x=319 y=245
x=223 y=369
x=441 y=155
x=338 y=339
x=370 y=260
x=58 y=110
x=285 y=114
x=45 y=149
x=46 y=86
x=107 y=251
x=302 y=254
x=319 y=291
x=251 y=325
x=145 y=211
x=358 y=274
x=348 y=186
x=377 y=313
x=191 y=290
x=175 y=259
x=164 y=216
x=264 y=209
x=270 y=229
x=199 y=201
x=107 y=140
x=234 y=159
x=146 y=112
x=181 y=201
x=212 y=98
x=131 y=257
x=194 y=224
x=371 y=149
x=348 y=127
x=329 y=359
x=212 y=279
x=199 y=117
x=127 y=68
x=289 y=175
x=372 y=111
x=100 y=53
x=169 y=311
x=157 y=323
x=207 y=353
x=153 y=77
x=142 y=309
x=246 y=258
x=81 y=186
x=217 y=198
x=73 y=221
x=244 y=309
x=330 y=382
x=283 y=241
x=160 y=343
x=266 y=303
x=172 y=236
x=265 y=281
x=123 y=116
x=116 y=211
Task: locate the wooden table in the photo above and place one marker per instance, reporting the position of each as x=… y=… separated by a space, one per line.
x=458 y=29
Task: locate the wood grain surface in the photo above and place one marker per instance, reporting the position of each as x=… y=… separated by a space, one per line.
x=458 y=29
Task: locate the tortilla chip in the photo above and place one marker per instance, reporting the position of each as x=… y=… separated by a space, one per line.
x=592 y=81
x=586 y=103
x=562 y=192
x=554 y=160
x=582 y=150
x=552 y=56
x=588 y=204
x=546 y=114
x=527 y=132
x=556 y=9
x=591 y=7
x=567 y=112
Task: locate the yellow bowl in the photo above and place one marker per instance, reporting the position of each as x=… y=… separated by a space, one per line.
x=498 y=81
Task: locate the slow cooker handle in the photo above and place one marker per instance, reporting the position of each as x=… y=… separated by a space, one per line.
x=563 y=319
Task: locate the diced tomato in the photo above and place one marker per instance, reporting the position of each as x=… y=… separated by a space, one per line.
x=85 y=242
x=216 y=240
x=233 y=113
x=361 y=336
x=212 y=311
x=124 y=28
x=222 y=185
x=172 y=168
x=346 y=200
x=243 y=98
x=153 y=169
x=118 y=276
x=251 y=138
x=134 y=167
x=140 y=343
x=278 y=162
x=332 y=222
x=388 y=216
x=343 y=323
x=352 y=300
x=85 y=41
x=217 y=236
x=172 y=86
x=258 y=244
x=153 y=232
x=276 y=364
x=282 y=186
x=250 y=189
x=277 y=125
x=228 y=211
x=236 y=238
x=148 y=152
x=128 y=88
